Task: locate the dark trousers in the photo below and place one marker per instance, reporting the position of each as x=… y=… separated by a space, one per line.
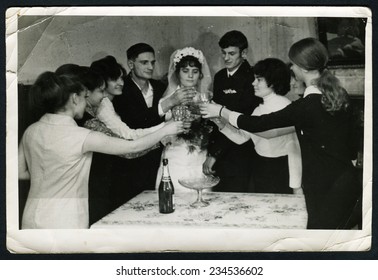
x=231 y=183
x=334 y=208
x=132 y=176
x=235 y=169
x=271 y=175
x=99 y=187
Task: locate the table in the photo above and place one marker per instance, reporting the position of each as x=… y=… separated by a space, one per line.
x=226 y=210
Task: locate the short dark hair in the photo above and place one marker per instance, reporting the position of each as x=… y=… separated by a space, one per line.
x=188 y=60
x=50 y=92
x=137 y=49
x=234 y=38
x=276 y=74
x=108 y=68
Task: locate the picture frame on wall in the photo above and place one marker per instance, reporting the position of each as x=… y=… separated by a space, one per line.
x=344 y=39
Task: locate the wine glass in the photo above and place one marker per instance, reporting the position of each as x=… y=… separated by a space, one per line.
x=179 y=112
x=198 y=184
x=206 y=96
x=182 y=113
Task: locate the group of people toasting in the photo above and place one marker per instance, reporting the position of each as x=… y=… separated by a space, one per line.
x=103 y=130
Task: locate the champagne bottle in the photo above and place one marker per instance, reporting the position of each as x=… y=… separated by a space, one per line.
x=166 y=191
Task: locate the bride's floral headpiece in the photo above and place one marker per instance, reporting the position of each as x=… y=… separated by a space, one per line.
x=188 y=51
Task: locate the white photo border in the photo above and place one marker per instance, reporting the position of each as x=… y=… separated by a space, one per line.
x=178 y=240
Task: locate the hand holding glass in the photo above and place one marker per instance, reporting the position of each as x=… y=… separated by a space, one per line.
x=206 y=96
x=182 y=113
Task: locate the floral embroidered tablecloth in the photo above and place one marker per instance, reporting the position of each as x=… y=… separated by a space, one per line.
x=239 y=210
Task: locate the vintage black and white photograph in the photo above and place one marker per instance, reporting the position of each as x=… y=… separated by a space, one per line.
x=149 y=129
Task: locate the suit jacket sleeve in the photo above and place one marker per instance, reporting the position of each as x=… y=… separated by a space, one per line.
x=132 y=108
x=219 y=144
x=291 y=115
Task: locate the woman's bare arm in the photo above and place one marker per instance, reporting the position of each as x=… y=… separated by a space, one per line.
x=237 y=136
x=99 y=142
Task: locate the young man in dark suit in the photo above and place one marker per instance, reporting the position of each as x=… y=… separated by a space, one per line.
x=233 y=89
x=141 y=106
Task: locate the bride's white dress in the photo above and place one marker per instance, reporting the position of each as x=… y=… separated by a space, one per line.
x=182 y=163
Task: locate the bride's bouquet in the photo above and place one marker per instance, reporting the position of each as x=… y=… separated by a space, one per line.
x=197 y=136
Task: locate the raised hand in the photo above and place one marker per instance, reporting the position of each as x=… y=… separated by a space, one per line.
x=173 y=127
x=182 y=96
x=207 y=166
x=210 y=110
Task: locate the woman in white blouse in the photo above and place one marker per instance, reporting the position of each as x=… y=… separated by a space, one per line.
x=278 y=167
x=113 y=74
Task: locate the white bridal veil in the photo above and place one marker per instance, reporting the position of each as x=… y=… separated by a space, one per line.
x=173 y=82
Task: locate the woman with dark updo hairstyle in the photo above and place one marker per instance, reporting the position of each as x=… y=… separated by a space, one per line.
x=324 y=126
x=106 y=117
x=55 y=154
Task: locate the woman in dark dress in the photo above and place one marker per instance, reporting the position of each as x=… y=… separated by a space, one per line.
x=323 y=122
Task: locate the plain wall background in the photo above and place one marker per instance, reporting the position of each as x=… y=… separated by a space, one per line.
x=45 y=43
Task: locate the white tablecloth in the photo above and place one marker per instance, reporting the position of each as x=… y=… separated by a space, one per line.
x=237 y=210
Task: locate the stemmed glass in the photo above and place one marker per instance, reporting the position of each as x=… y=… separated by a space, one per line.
x=181 y=113
x=198 y=184
x=206 y=96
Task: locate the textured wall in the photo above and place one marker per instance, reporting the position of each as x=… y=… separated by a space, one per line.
x=45 y=43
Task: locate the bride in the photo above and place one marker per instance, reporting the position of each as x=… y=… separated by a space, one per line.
x=187 y=151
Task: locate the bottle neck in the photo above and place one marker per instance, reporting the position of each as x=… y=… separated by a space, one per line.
x=166 y=177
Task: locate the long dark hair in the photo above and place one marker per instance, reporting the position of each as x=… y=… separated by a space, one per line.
x=311 y=54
